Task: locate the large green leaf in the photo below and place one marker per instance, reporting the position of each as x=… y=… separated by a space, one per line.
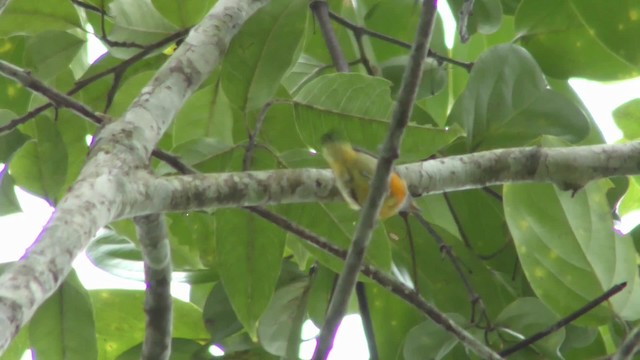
x=34 y=16
x=261 y=52
x=63 y=327
x=40 y=165
x=507 y=103
x=51 y=52
x=120 y=320
x=568 y=249
x=596 y=39
x=527 y=316
x=183 y=13
x=357 y=105
x=618 y=30
x=249 y=253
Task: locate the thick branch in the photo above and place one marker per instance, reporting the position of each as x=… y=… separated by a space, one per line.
x=379 y=184
x=154 y=242
x=106 y=182
x=576 y=165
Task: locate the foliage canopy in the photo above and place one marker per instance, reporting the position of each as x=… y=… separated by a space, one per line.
x=533 y=253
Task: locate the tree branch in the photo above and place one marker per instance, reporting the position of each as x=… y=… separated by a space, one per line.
x=379 y=184
x=154 y=243
x=321 y=11
x=121 y=151
x=397 y=288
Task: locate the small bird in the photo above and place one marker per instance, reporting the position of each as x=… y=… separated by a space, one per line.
x=354 y=169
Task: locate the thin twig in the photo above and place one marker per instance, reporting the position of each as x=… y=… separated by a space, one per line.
x=397 y=288
x=456 y=220
x=379 y=184
x=629 y=347
x=474 y=298
x=367 y=324
x=321 y=11
x=565 y=321
x=391 y=40
x=154 y=243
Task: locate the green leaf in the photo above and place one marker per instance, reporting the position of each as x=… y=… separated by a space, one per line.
x=137 y=22
x=51 y=52
x=593 y=46
x=568 y=249
x=34 y=16
x=183 y=13
x=631 y=199
x=281 y=324
x=11 y=141
x=218 y=315
x=120 y=320
x=18 y=346
x=434 y=76
x=8 y=201
x=392 y=318
x=249 y=252
x=430 y=339
x=63 y=327
x=358 y=106
x=617 y=31
x=15 y=97
x=40 y=165
x=527 y=316
x=261 y=52
x=205 y=114
x=507 y=103
x=181 y=349
x=627 y=117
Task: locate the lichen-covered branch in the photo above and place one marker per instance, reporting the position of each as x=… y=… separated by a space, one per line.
x=107 y=184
